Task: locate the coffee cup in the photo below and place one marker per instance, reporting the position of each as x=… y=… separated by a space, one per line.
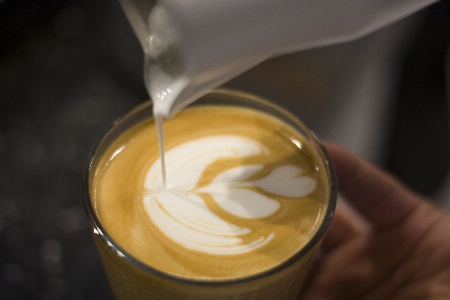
x=248 y=196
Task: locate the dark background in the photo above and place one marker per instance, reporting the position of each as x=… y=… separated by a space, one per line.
x=69 y=68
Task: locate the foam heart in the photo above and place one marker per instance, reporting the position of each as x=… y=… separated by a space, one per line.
x=286 y=181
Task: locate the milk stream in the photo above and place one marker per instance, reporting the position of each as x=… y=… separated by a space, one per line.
x=191 y=47
x=160 y=129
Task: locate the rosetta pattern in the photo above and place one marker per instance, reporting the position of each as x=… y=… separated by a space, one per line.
x=180 y=212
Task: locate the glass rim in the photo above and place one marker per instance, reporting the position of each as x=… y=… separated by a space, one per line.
x=105 y=238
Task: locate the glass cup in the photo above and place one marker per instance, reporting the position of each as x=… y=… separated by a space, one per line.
x=132 y=279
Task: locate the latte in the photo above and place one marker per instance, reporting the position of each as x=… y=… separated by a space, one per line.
x=247 y=195
x=244 y=193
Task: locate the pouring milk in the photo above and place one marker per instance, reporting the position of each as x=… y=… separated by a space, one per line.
x=193 y=46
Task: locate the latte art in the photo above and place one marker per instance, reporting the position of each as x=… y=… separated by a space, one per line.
x=244 y=192
x=181 y=213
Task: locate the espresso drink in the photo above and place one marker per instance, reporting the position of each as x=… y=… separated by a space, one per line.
x=244 y=194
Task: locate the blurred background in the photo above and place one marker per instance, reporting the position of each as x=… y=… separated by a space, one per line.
x=69 y=68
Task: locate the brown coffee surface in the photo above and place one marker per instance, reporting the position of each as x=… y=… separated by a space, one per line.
x=117 y=192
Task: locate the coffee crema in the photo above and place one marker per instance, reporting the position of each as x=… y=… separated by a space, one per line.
x=244 y=193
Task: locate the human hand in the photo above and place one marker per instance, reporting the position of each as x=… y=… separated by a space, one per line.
x=393 y=243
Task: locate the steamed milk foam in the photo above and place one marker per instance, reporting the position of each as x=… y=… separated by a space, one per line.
x=244 y=193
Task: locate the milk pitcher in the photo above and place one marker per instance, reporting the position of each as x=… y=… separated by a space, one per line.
x=193 y=46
